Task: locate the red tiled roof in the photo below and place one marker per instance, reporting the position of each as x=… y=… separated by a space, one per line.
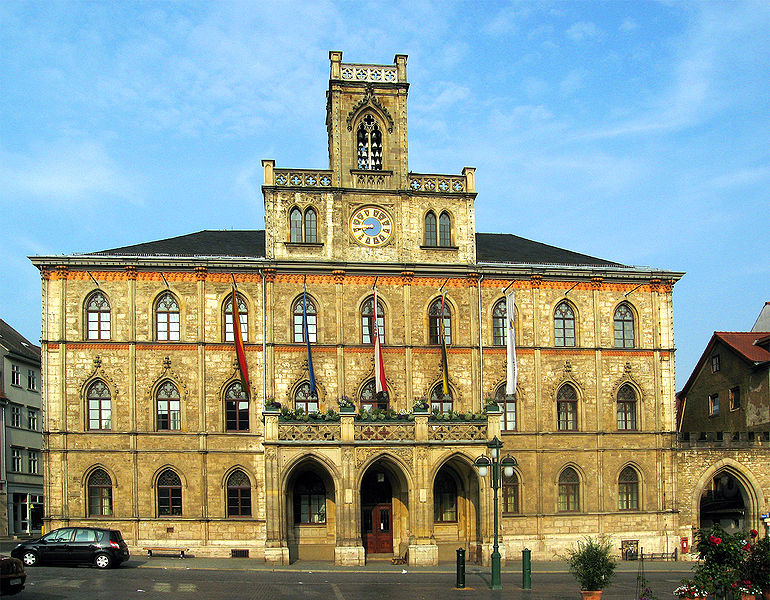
x=744 y=344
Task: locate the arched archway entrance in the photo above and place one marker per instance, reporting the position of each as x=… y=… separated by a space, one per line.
x=310 y=512
x=725 y=501
x=456 y=515
x=384 y=509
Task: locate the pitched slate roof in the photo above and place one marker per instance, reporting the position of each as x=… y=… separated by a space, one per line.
x=17 y=344
x=490 y=248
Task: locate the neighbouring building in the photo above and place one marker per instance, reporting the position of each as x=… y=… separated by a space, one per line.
x=21 y=426
x=724 y=432
x=149 y=428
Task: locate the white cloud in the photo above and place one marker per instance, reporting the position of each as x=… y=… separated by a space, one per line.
x=628 y=25
x=65 y=171
x=582 y=31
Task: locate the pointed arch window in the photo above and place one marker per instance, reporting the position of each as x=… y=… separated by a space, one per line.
x=508 y=405
x=169 y=494
x=97 y=317
x=311 y=226
x=303 y=227
x=99 y=494
x=444 y=498
x=305 y=399
x=309 y=499
x=243 y=317
x=564 y=325
x=627 y=408
x=238 y=494
x=370 y=399
x=435 y=314
x=624 y=327
x=236 y=408
x=499 y=323
x=510 y=494
x=444 y=230
x=566 y=407
x=167 y=318
x=99 y=406
x=569 y=491
x=312 y=321
x=431 y=235
x=628 y=489
x=439 y=401
x=295 y=225
x=369 y=143
x=367 y=321
x=168 y=403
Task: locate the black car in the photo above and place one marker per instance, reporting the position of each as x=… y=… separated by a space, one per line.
x=104 y=548
x=12 y=576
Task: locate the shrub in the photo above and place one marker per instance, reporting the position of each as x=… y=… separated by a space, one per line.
x=592 y=563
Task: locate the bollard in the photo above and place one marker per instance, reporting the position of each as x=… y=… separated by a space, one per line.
x=460 y=568
x=526 y=569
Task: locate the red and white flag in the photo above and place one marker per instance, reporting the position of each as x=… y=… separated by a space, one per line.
x=381 y=385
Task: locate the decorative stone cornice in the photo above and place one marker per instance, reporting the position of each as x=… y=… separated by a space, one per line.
x=369 y=99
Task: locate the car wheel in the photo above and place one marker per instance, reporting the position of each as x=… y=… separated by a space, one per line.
x=103 y=561
x=29 y=558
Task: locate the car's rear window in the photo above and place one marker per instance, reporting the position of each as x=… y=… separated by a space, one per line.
x=116 y=536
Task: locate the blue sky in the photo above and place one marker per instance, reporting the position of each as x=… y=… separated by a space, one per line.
x=633 y=131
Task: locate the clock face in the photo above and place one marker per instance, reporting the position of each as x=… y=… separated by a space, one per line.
x=371 y=226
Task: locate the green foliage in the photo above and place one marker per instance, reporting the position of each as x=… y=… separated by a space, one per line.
x=756 y=567
x=299 y=415
x=379 y=414
x=437 y=415
x=721 y=558
x=592 y=563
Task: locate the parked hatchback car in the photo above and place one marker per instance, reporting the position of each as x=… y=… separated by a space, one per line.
x=103 y=548
x=12 y=576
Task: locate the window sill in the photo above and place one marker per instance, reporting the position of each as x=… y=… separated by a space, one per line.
x=440 y=248
x=303 y=244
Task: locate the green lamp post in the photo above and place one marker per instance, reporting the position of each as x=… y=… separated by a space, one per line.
x=483 y=464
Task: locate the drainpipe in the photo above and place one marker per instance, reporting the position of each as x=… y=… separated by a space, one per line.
x=264 y=340
x=481 y=344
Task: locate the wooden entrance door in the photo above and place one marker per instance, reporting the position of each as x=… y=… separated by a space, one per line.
x=378 y=528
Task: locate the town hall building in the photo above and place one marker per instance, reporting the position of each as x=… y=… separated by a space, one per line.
x=152 y=428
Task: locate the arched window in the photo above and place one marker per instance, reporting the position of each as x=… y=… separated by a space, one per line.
x=309 y=499
x=499 y=323
x=569 y=491
x=295 y=225
x=624 y=327
x=99 y=406
x=98 y=317
x=370 y=399
x=511 y=494
x=431 y=236
x=566 y=407
x=99 y=494
x=167 y=318
x=564 y=325
x=243 y=316
x=444 y=230
x=167 y=402
x=440 y=402
x=236 y=408
x=444 y=498
x=627 y=408
x=311 y=226
x=305 y=399
x=367 y=321
x=508 y=405
x=169 y=494
x=628 y=489
x=434 y=322
x=369 y=142
x=312 y=321
x=238 y=494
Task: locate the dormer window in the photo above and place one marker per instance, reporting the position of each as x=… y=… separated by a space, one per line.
x=369 y=142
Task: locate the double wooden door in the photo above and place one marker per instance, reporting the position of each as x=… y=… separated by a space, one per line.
x=378 y=528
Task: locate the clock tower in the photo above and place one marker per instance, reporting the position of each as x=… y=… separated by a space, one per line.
x=368 y=207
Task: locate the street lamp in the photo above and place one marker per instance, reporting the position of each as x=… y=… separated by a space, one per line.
x=483 y=463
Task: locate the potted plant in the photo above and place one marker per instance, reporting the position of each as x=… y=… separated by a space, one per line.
x=689 y=589
x=756 y=567
x=421 y=406
x=593 y=565
x=272 y=406
x=490 y=404
x=347 y=406
x=746 y=590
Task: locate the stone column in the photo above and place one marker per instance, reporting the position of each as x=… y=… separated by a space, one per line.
x=423 y=549
x=276 y=548
x=349 y=549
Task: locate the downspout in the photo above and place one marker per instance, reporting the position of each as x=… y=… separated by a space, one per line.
x=264 y=340
x=481 y=345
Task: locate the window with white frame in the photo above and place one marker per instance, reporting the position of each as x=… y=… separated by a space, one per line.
x=16 y=460
x=15 y=375
x=34 y=461
x=15 y=415
x=31 y=379
x=32 y=419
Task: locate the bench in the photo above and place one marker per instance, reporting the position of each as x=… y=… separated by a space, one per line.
x=166 y=550
x=631 y=555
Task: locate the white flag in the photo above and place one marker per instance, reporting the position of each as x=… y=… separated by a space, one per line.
x=512 y=374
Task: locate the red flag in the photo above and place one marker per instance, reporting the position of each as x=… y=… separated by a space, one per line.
x=238 y=337
x=381 y=385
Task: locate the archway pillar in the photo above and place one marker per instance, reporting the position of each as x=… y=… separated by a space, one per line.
x=349 y=550
x=276 y=550
x=423 y=549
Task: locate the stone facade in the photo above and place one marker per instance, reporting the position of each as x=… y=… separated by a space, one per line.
x=315 y=486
